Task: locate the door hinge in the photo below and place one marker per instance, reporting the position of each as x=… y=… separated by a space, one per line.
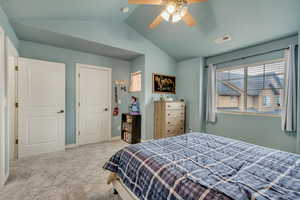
x=16 y=68
x=79 y=104
x=17 y=141
x=78 y=132
x=79 y=75
x=17 y=105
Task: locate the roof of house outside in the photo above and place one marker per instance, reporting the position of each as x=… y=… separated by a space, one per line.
x=235 y=84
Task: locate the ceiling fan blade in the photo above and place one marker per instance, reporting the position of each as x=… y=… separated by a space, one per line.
x=189 y=19
x=156 y=22
x=146 y=2
x=195 y=1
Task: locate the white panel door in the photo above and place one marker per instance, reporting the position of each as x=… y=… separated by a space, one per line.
x=41 y=112
x=94 y=110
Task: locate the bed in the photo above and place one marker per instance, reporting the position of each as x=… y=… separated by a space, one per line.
x=204 y=167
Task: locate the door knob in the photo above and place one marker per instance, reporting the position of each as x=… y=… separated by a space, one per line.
x=105 y=109
x=61 y=112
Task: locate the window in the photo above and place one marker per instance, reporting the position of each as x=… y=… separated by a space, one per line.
x=136 y=82
x=267 y=101
x=278 y=100
x=256 y=88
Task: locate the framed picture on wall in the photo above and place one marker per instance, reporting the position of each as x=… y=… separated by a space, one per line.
x=163 y=84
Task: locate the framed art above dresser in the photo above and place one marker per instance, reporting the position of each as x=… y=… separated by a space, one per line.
x=163 y=84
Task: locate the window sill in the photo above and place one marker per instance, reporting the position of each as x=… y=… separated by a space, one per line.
x=249 y=114
x=135 y=91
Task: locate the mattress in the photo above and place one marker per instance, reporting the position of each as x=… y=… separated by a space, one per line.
x=208 y=167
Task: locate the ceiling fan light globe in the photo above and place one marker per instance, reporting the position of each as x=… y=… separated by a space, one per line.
x=166 y=16
x=171 y=8
x=176 y=17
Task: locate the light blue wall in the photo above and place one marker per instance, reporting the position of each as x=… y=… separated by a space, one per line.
x=265 y=131
x=190 y=89
x=157 y=64
x=120 y=71
x=4 y=23
x=161 y=66
x=138 y=64
x=122 y=36
x=257 y=49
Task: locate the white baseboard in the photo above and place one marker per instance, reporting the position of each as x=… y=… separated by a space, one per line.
x=71 y=146
x=115 y=138
x=146 y=140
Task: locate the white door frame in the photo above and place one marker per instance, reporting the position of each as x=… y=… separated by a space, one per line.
x=78 y=66
x=12 y=51
x=3 y=176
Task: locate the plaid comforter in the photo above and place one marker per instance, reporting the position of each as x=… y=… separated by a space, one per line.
x=202 y=166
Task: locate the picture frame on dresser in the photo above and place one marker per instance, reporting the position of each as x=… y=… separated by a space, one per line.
x=163 y=84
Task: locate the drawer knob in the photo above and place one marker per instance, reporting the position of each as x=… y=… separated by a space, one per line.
x=168 y=130
x=169 y=122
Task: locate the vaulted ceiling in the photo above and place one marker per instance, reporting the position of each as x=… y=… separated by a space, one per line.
x=66 y=9
x=248 y=22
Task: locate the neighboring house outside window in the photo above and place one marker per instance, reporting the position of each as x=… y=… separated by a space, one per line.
x=267 y=101
x=278 y=100
x=256 y=88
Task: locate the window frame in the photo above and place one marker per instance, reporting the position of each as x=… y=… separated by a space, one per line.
x=131 y=82
x=246 y=66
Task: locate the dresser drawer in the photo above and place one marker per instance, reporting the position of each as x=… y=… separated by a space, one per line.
x=174 y=113
x=175 y=121
x=175 y=106
x=174 y=130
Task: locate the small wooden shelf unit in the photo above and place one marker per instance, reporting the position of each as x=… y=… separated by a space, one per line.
x=131 y=128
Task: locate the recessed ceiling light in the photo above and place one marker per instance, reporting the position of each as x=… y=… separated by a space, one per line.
x=221 y=40
x=125 y=9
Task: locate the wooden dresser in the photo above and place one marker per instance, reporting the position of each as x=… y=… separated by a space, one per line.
x=169 y=118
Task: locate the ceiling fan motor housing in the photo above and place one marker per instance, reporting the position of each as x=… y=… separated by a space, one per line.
x=174 y=11
x=178 y=2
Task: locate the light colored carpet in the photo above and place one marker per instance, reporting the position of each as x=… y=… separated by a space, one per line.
x=76 y=174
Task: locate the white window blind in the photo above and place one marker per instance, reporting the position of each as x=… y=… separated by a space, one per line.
x=256 y=88
x=136 y=82
x=267 y=101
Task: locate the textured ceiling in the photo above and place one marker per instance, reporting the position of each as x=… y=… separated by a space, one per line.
x=248 y=22
x=66 y=9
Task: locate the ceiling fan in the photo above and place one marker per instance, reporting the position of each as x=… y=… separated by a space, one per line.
x=175 y=10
